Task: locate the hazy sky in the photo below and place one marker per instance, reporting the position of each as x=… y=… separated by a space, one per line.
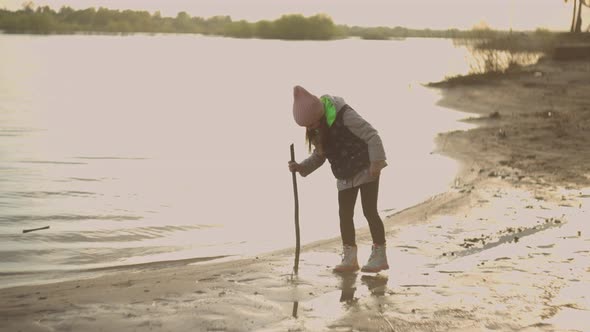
x=437 y=14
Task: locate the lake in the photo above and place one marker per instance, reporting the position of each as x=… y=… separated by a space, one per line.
x=146 y=148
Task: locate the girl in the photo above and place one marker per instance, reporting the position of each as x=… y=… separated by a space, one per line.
x=356 y=155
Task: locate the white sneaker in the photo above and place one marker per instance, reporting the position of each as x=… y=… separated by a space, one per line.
x=378 y=260
x=349 y=260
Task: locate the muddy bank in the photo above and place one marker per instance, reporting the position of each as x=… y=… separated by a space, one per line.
x=534 y=125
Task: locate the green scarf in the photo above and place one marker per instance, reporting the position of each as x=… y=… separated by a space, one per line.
x=329 y=110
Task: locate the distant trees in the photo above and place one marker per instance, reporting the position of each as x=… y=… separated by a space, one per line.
x=240 y=29
x=44 y=20
x=299 y=27
x=291 y=27
x=381 y=33
x=576 y=25
x=67 y=20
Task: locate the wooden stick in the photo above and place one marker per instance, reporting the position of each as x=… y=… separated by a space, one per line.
x=35 y=229
x=297 y=240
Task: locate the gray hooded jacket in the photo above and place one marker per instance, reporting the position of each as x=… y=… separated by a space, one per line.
x=361 y=128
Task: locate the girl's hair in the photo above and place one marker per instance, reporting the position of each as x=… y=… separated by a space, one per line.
x=317 y=137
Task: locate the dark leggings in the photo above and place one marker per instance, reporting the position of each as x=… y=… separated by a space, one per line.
x=346 y=202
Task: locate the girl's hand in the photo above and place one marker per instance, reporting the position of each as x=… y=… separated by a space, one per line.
x=294 y=167
x=376 y=167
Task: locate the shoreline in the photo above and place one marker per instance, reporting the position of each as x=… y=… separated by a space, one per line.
x=505 y=248
x=56 y=276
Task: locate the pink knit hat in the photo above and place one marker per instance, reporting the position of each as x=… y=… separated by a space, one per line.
x=307 y=108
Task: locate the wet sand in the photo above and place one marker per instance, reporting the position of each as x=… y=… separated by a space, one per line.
x=506 y=248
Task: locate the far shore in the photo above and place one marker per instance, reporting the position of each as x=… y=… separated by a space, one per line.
x=505 y=248
x=32 y=19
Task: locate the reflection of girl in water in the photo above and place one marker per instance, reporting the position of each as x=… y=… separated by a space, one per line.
x=376 y=284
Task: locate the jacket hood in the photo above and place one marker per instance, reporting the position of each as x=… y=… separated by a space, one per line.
x=337 y=101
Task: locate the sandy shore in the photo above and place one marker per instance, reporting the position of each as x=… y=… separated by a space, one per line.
x=506 y=248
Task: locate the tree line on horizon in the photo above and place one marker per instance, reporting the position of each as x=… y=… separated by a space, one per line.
x=45 y=20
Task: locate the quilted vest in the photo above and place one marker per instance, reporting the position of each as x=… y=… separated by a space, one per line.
x=346 y=152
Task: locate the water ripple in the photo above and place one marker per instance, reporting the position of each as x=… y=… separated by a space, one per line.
x=45 y=194
x=107 y=235
x=66 y=217
x=85 y=179
x=16 y=131
x=53 y=162
x=112 y=158
x=82 y=256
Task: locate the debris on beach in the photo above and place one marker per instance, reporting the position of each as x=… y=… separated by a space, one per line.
x=35 y=229
x=471 y=242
